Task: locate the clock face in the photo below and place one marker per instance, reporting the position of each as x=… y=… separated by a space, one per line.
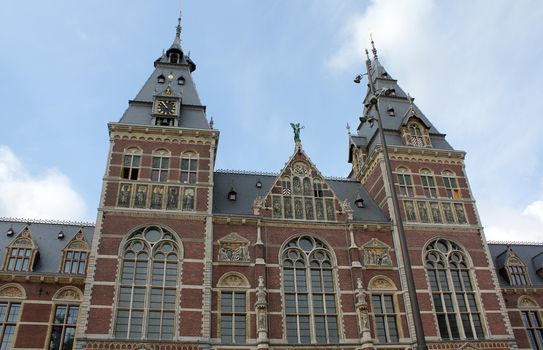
x=166 y=107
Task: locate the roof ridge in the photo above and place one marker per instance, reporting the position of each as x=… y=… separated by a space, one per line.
x=516 y=243
x=246 y=172
x=44 y=221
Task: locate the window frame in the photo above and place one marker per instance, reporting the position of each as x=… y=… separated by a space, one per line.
x=141 y=302
x=416 y=136
x=452 y=301
x=311 y=293
x=190 y=157
x=78 y=244
x=234 y=315
x=131 y=171
x=5 y=321
x=64 y=325
x=160 y=173
x=450 y=183
x=22 y=242
x=387 y=337
x=405 y=182
x=428 y=183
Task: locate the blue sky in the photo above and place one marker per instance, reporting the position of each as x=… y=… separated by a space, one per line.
x=67 y=68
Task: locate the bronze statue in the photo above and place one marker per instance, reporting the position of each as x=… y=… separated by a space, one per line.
x=296 y=128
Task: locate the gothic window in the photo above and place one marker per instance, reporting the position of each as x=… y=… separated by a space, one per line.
x=63 y=328
x=317 y=188
x=428 y=183
x=384 y=309
x=131 y=164
x=233 y=308
x=75 y=255
x=160 y=166
x=451 y=185
x=534 y=327
x=309 y=292
x=384 y=312
x=64 y=318
x=189 y=168
x=415 y=134
x=453 y=292
x=405 y=182
x=21 y=252
x=9 y=316
x=147 y=295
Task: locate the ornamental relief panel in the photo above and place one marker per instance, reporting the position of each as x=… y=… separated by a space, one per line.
x=12 y=291
x=234 y=248
x=376 y=254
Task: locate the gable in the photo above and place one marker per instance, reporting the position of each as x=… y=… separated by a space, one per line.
x=300 y=192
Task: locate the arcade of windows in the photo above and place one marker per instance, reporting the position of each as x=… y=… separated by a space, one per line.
x=453 y=292
x=302 y=197
x=148 y=281
x=148 y=196
x=430 y=211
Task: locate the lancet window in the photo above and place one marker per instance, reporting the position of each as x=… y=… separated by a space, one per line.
x=148 y=281
x=453 y=292
x=309 y=292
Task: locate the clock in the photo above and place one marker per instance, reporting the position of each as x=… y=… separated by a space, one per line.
x=166 y=107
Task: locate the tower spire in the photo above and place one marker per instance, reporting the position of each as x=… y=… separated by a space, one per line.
x=373 y=49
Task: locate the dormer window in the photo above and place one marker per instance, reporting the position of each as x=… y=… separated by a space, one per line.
x=161 y=79
x=416 y=135
x=75 y=255
x=21 y=252
x=515 y=270
x=174 y=58
x=391 y=111
x=181 y=81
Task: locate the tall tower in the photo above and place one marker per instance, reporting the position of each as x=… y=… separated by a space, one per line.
x=455 y=282
x=152 y=244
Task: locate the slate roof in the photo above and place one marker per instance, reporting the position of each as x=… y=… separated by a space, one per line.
x=192 y=116
x=392 y=124
x=45 y=236
x=244 y=184
x=531 y=255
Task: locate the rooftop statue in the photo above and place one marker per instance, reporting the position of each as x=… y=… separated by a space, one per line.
x=296 y=128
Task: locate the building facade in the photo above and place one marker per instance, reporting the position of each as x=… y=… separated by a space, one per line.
x=183 y=256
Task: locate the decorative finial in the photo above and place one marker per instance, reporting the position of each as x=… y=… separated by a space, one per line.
x=211 y=122
x=348 y=127
x=296 y=129
x=373 y=49
x=178 y=28
x=411 y=99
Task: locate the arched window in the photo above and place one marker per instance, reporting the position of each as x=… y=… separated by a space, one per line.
x=160 y=166
x=21 y=253
x=75 y=255
x=531 y=320
x=405 y=182
x=428 y=183
x=131 y=163
x=453 y=292
x=416 y=135
x=384 y=309
x=148 y=285
x=233 y=308
x=64 y=321
x=11 y=297
x=189 y=168
x=309 y=292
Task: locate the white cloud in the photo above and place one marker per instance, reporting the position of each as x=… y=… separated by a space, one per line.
x=535 y=210
x=45 y=196
x=473 y=71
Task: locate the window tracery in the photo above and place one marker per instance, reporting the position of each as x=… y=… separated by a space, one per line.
x=453 y=292
x=147 y=294
x=309 y=292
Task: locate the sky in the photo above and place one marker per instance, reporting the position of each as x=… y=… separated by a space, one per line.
x=67 y=68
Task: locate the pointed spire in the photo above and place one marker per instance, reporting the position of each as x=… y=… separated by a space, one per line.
x=373 y=49
x=176 y=45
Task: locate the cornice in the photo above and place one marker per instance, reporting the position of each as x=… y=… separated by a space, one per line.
x=50 y=278
x=160 y=133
